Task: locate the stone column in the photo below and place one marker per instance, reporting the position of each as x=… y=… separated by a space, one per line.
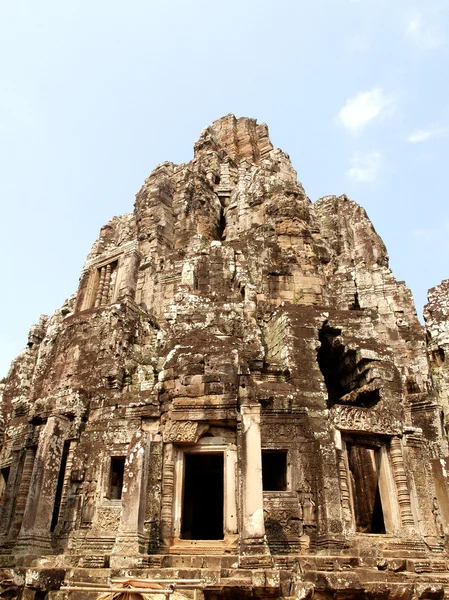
x=7 y=510
x=168 y=487
x=34 y=536
x=400 y=478
x=230 y=497
x=130 y=540
x=330 y=514
x=127 y=275
x=22 y=493
x=253 y=547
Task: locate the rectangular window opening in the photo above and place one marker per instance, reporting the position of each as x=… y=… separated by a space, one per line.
x=116 y=477
x=202 y=509
x=364 y=475
x=4 y=476
x=4 y=473
x=274 y=470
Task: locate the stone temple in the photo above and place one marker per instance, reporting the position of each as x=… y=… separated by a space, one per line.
x=239 y=393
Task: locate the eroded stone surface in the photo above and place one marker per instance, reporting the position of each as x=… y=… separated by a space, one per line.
x=239 y=390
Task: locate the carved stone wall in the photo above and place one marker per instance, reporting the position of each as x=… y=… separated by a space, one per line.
x=228 y=314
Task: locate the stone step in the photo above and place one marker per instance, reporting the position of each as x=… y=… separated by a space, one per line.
x=217 y=561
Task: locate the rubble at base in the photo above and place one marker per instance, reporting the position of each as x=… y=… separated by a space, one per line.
x=239 y=392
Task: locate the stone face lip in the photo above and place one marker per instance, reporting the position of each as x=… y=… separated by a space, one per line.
x=239 y=391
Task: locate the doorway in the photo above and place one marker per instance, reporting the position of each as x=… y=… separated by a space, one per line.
x=202 y=508
x=364 y=473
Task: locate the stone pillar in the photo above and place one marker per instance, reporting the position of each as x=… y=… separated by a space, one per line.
x=127 y=275
x=8 y=508
x=230 y=496
x=34 y=536
x=253 y=547
x=168 y=488
x=130 y=540
x=22 y=493
x=330 y=515
x=345 y=494
x=400 y=478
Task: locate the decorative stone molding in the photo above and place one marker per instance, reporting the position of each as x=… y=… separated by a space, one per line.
x=111 y=255
x=345 y=496
x=183 y=432
x=367 y=420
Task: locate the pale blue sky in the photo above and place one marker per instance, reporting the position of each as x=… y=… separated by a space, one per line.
x=94 y=94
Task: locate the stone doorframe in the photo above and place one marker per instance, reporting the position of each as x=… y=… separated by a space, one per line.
x=207 y=445
x=389 y=488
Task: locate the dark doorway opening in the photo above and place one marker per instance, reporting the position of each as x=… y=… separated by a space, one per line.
x=116 y=477
x=364 y=463
x=202 y=510
x=60 y=486
x=274 y=470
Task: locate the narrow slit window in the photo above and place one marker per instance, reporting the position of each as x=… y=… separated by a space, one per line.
x=274 y=470
x=116 y=477
x=222 y=225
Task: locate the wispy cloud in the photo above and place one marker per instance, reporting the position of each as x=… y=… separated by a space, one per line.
x=426 y=31
x=365 y=166
x=365 y=107
x=429 y=234
x=422 y=135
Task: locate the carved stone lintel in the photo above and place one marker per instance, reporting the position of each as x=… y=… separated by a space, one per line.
x=183 y=432
x=367 y=420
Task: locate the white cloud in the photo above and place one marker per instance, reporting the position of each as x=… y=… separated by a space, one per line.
x=428 y=33
x=422 y=135
x=363 y=108
x=365 y=166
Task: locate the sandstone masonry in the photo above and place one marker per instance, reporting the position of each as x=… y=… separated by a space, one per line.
x=240 y=392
